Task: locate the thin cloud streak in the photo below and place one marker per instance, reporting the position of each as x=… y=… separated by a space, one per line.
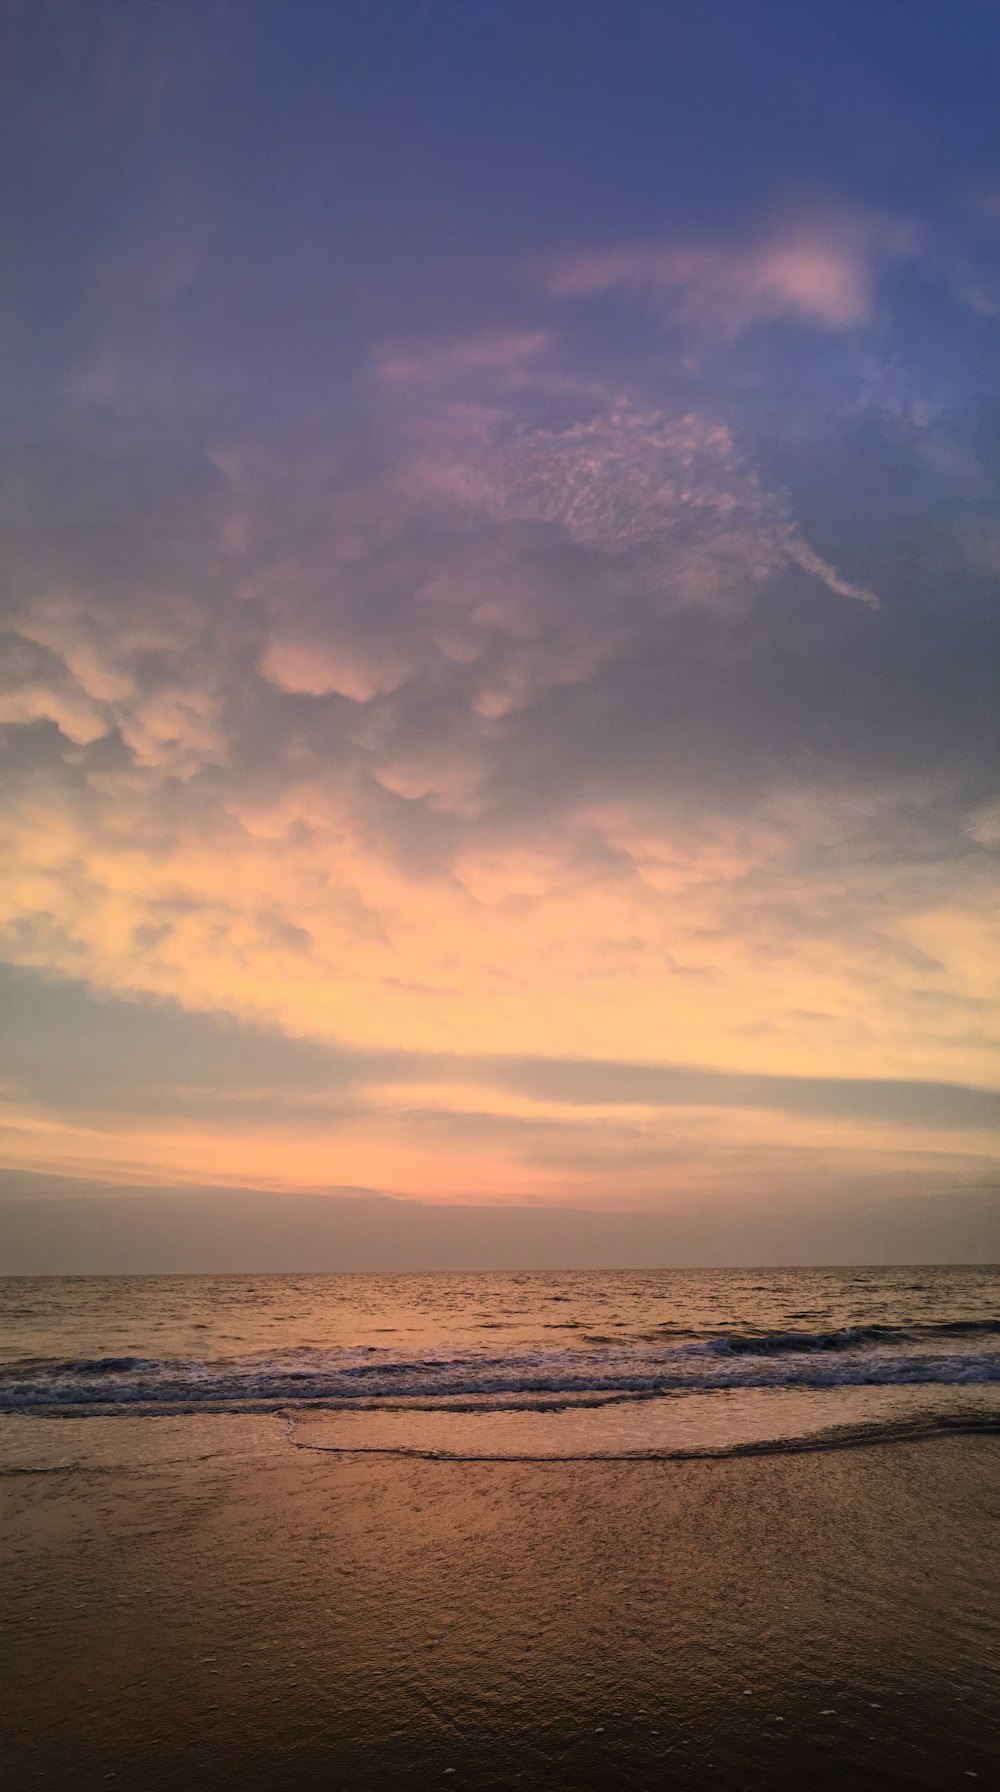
x=823 y=271
x=159 y=1059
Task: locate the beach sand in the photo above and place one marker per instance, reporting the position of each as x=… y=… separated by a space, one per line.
x=194 y=1604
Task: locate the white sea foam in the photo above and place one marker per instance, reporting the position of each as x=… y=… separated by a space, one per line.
x=630 y=1364
x=570 y=1375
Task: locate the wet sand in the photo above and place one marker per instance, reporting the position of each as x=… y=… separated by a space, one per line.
x=206 y=1608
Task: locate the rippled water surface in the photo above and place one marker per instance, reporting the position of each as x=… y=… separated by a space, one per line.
x=553 y=1532
x=657 y=1363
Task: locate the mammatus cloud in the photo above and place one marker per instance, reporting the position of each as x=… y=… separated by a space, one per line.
x=493 y=556
x=524 y=556
x=500 y=732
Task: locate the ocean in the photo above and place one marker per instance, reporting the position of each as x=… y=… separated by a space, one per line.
x=727 y=1528
x=659 y=1362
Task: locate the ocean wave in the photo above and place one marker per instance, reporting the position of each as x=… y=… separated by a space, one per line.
x=847 y=1337
x=331 y=1378
x=98 y=1365
x=780 y=1343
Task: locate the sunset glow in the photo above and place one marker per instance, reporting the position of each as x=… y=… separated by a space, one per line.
x=499 y=692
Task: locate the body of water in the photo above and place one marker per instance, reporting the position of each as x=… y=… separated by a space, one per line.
x=528 y=1365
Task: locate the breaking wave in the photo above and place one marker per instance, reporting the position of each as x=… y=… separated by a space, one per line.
x=872 y=1356
x=849 y=1337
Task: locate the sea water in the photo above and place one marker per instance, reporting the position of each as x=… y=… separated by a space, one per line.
x=618 y=1364
x=581 y=1531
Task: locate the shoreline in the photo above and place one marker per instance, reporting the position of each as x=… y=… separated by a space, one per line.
x=267 y=1619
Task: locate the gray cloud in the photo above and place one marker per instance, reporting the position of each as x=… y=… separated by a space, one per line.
x=155 y=1059
x=617 y=606
x=49 y=1228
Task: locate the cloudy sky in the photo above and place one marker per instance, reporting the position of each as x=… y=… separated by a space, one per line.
x=500 y=643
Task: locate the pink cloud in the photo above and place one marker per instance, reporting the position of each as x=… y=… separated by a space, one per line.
x=825 y=271
x=329 y=662
x=496 y=352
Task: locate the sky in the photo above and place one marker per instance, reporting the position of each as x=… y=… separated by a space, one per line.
x=499 y=633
